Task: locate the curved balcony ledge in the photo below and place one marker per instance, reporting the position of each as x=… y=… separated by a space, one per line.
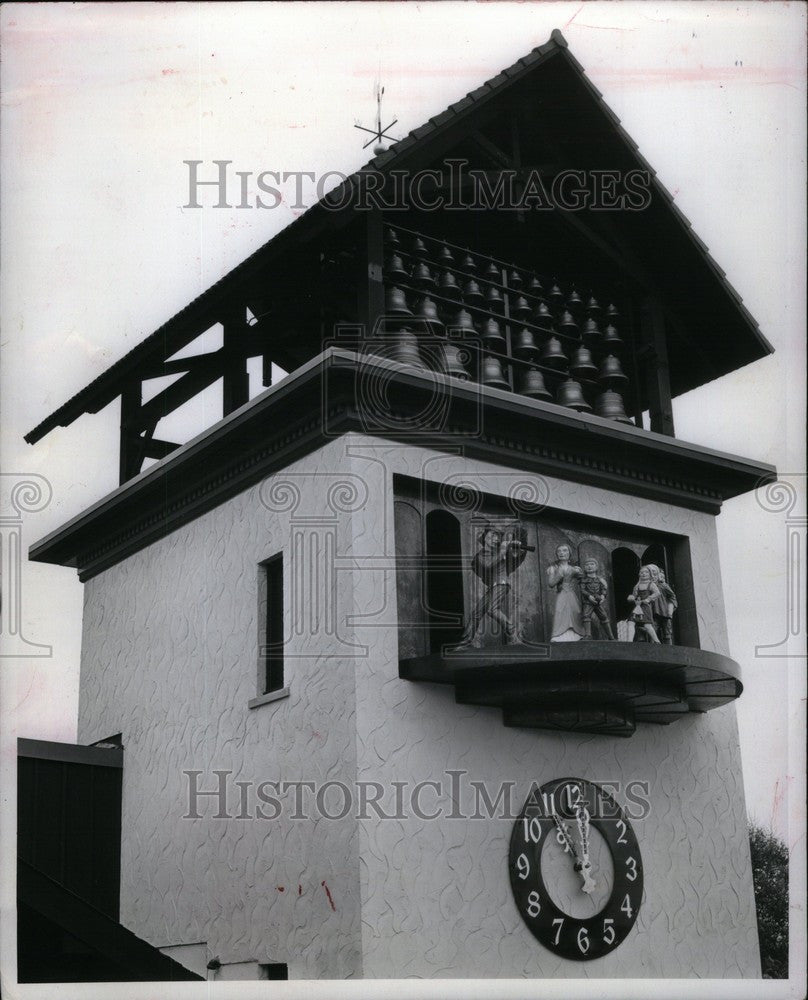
x=588 y=686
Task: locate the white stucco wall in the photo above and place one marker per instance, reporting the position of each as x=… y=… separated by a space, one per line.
x=169 y=660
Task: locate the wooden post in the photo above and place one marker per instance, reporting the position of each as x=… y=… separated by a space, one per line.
x=235 y=381
x=129 y=458
x=655 y=355
x=370 y=283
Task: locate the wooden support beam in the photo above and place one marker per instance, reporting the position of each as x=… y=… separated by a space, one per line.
x=155 y=448
x=655 y=355
x=180 y=392
x=371 y=262
x=235 y=380
x=128 y=462
x=493 y=151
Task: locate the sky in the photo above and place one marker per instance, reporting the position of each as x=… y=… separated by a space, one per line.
x=101 y=106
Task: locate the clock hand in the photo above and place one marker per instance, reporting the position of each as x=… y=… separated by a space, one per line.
x=585 y=870
x=565 y=836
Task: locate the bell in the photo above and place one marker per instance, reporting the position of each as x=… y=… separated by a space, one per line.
x=391 y=238
x=451 y=361
x=427 y=311
x=574 y=302
x=542 y=316
x=395 y=267
x=611 y=313
x=591 y=331
x=592 y=307
x=462 y=321
x=419 y=247
x=611 y=372
x=553 y=354
x=492 y=374
x=571 y=395
x=532 y=384
x=555 y=295
x=445 y=256
x=492 y=337
x=468 y=263
x=535 y=287
x=582 y=365
x=612 y=341
x=471 y=291
x=567 y=323
x=493 y=273
x=521 y=308
x=395 y=303
x=448 y=286
x=610 y=405
x=422 y=276
x=493 y=299
x=403 y=348
x=515 y=279
x=524 y=346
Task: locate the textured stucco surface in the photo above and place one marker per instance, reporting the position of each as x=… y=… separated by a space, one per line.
x=169 y=660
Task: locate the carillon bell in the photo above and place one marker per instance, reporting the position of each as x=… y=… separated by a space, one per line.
x=592 y=307
x=555 y=295
x=462 y=321
x=542 y=316
x=468 y=263
x=524 y=346
x=448 y=286
x=395 y=303
x=391 y=238
x=452 y=362
x=492 y=337
x=612 y=315
x=403 y=348
x=574 y=302
x=553 y=354
x=535 y=287
x=570 y=394
x=582 y=365
x=611 y=372
x=532 y=384
x=427 y=311
x=567 y=323
x=515 y=279
x=521 y=308
x=612 y=341
x=419 y=247
x=395 y=267
x=471 y=291
x=422 y=276
x=591 y=331
x=492 y=374
x=493 y=272
x=445 y=255
x=493 y=299
x=610 y=405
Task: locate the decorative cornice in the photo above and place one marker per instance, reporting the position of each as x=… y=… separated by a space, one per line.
x=323 y=400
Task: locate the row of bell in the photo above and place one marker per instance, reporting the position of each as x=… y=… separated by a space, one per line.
x=421 y=274
x=396 y=305
x=403 y=348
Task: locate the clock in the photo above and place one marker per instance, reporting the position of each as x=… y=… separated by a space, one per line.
x=575 y=868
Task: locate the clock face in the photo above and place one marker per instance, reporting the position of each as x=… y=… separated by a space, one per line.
x=576 y=870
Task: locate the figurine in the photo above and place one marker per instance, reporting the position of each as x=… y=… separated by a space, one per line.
x=670 y=605
x=644 y=595
x=564 y=577
x=593 y=597
x=500 y=553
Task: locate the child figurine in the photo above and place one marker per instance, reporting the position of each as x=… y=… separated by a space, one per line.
x=671 y=605
x=644 y=595
x=593 y=598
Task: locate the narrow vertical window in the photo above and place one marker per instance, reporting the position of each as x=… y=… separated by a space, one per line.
x=272 y=647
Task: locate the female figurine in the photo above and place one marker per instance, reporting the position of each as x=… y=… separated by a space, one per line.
x=661 y=608
x=644 y=596
x=563 y=577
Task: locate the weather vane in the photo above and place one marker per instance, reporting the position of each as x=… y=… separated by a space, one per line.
x=378 y=133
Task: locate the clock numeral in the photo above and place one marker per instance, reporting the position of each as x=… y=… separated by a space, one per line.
x=532 y=829
x=563 y=841
x=533 y=904
x=523 y=865
x=631 y=864
x=560 y=922
x=622 y=838
x=572 y=793
x=583 y=940
x=625 y=906
x=608 y=931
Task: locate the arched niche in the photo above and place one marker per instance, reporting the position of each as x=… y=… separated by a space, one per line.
x=443 y=579
x=413 y=625
x=625 y=570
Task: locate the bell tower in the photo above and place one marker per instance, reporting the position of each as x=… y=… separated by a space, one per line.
x=418 y=657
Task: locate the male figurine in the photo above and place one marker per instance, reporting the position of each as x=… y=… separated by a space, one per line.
x=500 y=553
x=593 y=599
x=671 y=604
